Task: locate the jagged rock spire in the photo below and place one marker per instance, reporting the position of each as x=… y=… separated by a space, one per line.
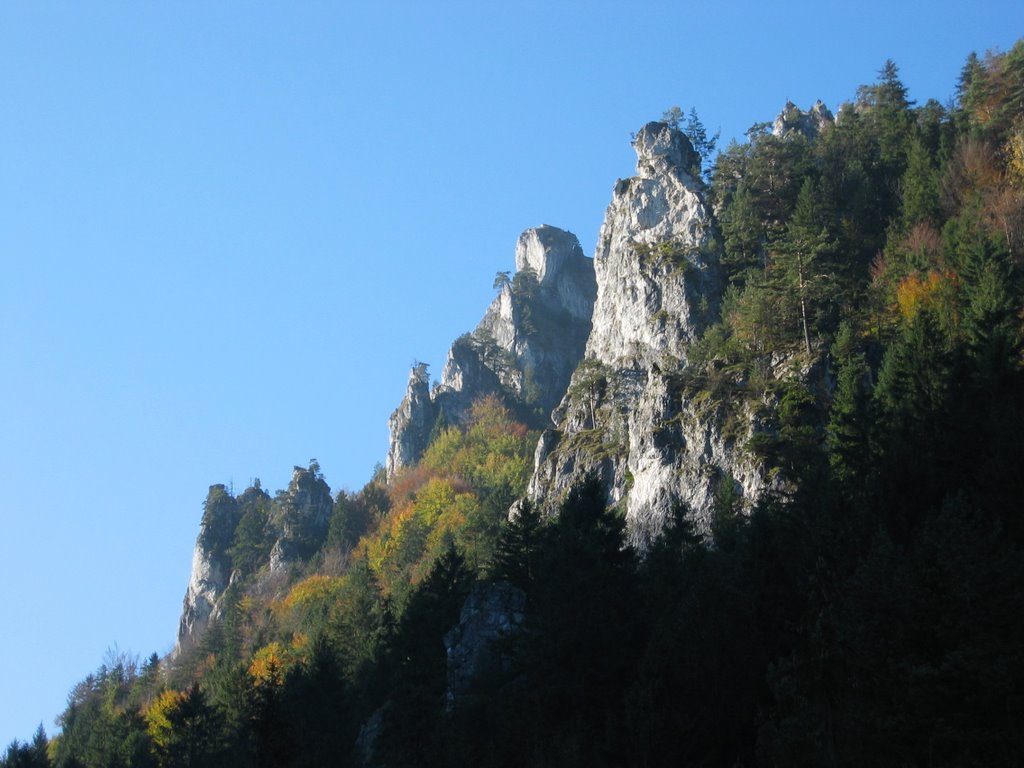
x=810 y=124
x=411 y=423
x=626 y=416
x=656 y=257
x=662 y=150
x=524 y=349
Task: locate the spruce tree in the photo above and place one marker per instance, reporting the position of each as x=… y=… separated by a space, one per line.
x=802 y=259
x=515 y=555
x=919 y=189
x=846 y=433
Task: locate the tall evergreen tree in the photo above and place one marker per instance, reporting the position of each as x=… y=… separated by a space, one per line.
x=847 y=431
x=412 y=722
x=803 y=251
x=919 y=189
x=187 y=731
x=516 y=553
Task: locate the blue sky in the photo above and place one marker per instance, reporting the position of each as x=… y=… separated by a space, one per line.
x=227 y=230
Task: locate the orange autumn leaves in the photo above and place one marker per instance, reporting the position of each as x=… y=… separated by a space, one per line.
x=917 y=291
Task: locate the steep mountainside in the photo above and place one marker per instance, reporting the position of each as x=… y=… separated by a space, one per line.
x=774 y=511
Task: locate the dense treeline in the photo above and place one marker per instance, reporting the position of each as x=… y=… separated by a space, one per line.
x=868 y=612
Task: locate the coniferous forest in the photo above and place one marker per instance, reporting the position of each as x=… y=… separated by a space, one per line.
x=869 y=610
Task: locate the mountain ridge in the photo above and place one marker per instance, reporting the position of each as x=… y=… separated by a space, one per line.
x=763 y=512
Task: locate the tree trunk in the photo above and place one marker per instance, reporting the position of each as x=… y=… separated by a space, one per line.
x=803 y=302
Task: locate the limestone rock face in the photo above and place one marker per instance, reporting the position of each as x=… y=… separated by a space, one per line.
x=301 y=518
x=566 y=276
x=211 y=566
x=412 y=421
x=658 y=278
x=810 y=124
x=631 y=413
x=209 y=578
x=524 y=350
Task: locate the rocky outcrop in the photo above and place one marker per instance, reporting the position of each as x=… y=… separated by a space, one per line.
x=300 y=517
x=634 y=412
x=411 y=423
x=491 y=613
x=810 y=124
x=206 y=584
x=656 y=264
x=293 y=528
x=367 y=743
x=211 y=566
x=524 y=350
x=565 y=275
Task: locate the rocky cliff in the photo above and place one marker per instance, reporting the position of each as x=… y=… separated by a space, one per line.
x=493 y=612
x=524 y=350
x=241 y=535
x=206 y=584
x=634 y=412
x=597 y=351
x=810 y=124
x=300 y=518
x=211 y=566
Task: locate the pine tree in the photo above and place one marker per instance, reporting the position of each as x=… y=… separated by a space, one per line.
x=990 y=323
x=703 y=144
x=515 y=555
x=802 y=253
x=919 y=188
x=846 y=433
x=412 y=723
x=186 y=729
x=29 y=755
x=916 y=434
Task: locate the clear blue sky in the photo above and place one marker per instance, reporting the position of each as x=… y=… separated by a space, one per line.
x=227 y=229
